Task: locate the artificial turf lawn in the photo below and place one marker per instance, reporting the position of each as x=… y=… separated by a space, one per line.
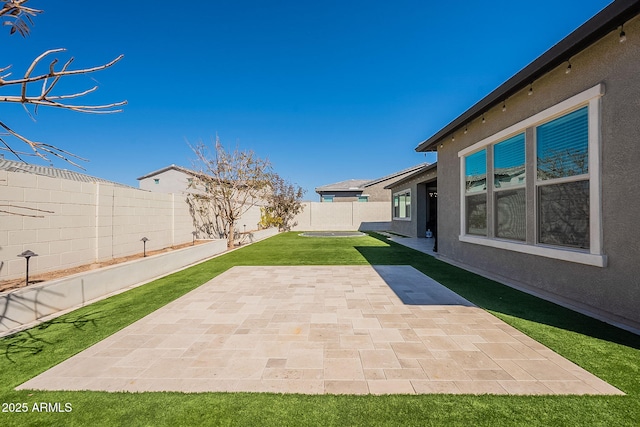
x=608 y=352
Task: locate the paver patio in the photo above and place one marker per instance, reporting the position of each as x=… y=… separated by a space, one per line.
x=321 y=329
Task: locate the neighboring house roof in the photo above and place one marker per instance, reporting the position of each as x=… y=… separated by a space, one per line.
x=424 y=168
x=178 y=168
x=52 y=172
x=607 y=20
x=348 y=185
x=361 y=184
x=412 y=169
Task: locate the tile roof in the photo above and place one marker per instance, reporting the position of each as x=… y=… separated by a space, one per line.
x=51 y=172
x=166 y=168
x=361 y=184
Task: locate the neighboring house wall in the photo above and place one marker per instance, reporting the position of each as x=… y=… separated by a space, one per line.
x=90 y=222
x=377 y=192
x=418 y=185
x=340 y=196
x=605 y=279
x=168 y=181
x=317 y=216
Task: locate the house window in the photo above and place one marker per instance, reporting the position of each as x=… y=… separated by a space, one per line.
x=327 y=198
x=402 y=205
x=508 y=188
x=558 y=189
x=156 y=181
x=562 y=164
x=363 y=198
x=476 y=193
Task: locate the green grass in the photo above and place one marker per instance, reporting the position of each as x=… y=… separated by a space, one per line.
x=608 y=352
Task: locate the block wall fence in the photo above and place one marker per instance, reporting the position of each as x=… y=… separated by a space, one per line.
x=344 y=216
x=70 y=223
x=85 y=222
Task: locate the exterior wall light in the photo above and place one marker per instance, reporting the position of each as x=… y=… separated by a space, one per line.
x=26 y=255
x=623 y=35
x=568 y=70
x=194 y=238
x=144 y=241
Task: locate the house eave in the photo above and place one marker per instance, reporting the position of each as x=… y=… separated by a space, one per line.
x=604 y=22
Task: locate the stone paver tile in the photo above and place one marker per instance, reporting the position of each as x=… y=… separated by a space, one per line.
x=379 y=359
x=473 y=360
x=324 y=335
x=385 y=335
x=467 y=342
x=107 y=384
x=409 y=335
x=480 y=387
x=305 y=386
x=500 y=351
x=435 y=387
x=366 y=323
x=209 y=372
x=343 y=369
x=341 y=353
x=443 y=370
x=312 y=374
x=276 y=363
x=356 y=341
x=596 y=383
x=282 y=374
x=496 y=335
x=346 y=387
x=164 y=368
x=244 y=368
x=543 y=370
x=440 y=343
x=390 y=386
x=513 y=369
x=309 y=359
x=405 y=374
x=329 y=318
x=525 y=387
x=303 y=326
x=570 y=387
x=411 y=350
x=374 y=374
x=488 y=374
x=410 y=363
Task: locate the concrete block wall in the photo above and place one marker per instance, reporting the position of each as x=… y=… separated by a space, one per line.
x=87 y=222
x=317 y=216
x=82 y=223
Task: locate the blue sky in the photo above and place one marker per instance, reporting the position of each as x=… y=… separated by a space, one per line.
x=328 y=91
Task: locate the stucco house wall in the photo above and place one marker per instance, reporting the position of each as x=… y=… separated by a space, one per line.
x=417 y=184
x=612 y=290
x=172 y=179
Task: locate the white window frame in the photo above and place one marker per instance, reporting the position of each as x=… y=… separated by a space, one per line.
x=393 y=214
x=594 y=255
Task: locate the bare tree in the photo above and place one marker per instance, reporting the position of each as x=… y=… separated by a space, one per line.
x=18 y=17
x=231 y=182
x=284 y=202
